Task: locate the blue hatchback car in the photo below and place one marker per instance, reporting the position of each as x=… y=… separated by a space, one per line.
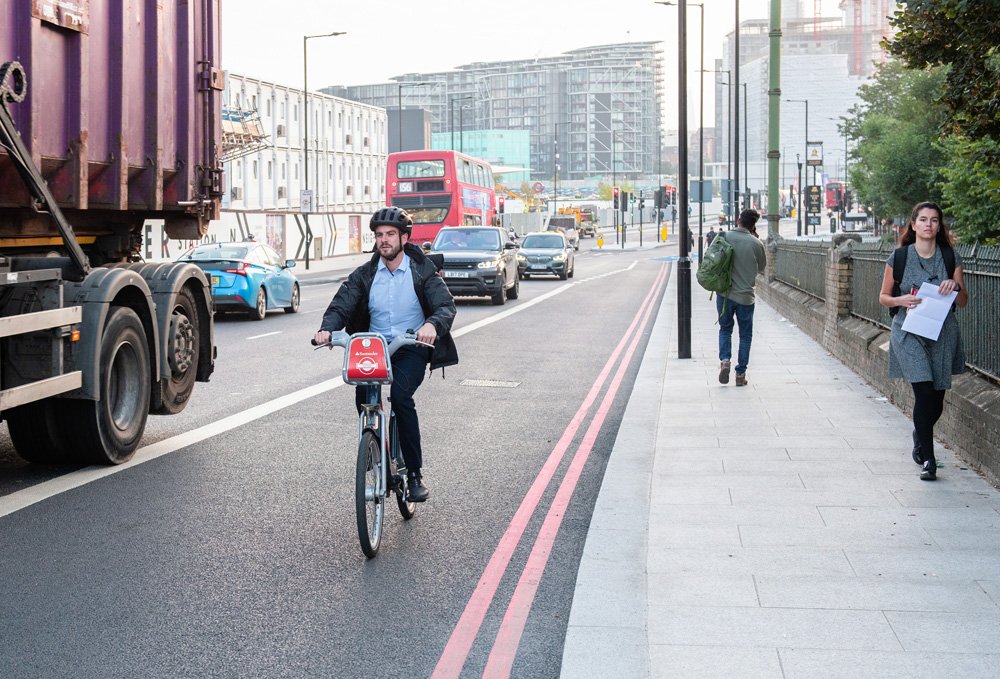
x=247 y=276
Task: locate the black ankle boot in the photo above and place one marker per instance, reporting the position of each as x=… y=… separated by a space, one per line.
x=929 y=472
x=917 y=455
x=417 y=491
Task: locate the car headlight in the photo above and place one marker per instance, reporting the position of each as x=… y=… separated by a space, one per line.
x=489 y=264
x=558 y=258
x=521 y=259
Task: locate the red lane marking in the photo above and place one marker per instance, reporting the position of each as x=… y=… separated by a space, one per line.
x=456 y=651
x=508 y=639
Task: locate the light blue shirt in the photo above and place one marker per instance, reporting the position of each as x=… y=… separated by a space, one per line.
x=392 y=301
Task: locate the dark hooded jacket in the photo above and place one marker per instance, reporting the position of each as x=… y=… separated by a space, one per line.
x=349 y=308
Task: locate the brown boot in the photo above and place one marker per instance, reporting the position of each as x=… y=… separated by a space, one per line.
x=741 y=379
x=724 y=372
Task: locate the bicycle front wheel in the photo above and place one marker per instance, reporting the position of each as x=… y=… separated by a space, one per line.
x=369 y=495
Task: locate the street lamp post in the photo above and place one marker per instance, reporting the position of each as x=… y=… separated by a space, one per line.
x=461 y=126
x=555 y=163
x=451 y=116
x=701 y=127
x=399 y=107
x=805 y=152
x=305 y=116
x=746 y=150
x=727 y=202
x=798 y=212
x=736 y=102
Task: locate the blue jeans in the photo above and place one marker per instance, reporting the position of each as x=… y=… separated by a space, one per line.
x=744 y=316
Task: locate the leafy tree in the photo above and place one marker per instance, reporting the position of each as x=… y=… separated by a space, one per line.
x=963 y=35
x=896 y=159
x=969 y=177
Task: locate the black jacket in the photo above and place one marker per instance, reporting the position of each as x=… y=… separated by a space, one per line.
x=349 y=307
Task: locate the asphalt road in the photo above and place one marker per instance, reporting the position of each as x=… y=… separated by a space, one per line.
x=235 y=553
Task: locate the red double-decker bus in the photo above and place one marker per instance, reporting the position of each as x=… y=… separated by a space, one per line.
x=836 y=192
x=440 y=188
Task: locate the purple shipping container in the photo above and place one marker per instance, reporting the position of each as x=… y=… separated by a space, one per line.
x=122 y=113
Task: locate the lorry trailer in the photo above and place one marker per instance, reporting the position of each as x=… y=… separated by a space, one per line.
x=110 y=115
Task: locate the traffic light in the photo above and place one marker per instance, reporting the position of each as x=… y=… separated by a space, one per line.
x=615 y=191
x=658 y=199
x=624 y=201
x=500 y=205
x=642 y=202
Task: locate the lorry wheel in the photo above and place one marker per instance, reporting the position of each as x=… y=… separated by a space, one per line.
x=108 y=431
x=34 y=430
x=183 y=345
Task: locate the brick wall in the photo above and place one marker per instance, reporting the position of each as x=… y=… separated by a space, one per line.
x=970 y=425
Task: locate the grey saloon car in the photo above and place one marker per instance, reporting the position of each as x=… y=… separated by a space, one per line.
x=546 y=253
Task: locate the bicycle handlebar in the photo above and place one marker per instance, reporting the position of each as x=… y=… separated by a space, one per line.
x=341 y=338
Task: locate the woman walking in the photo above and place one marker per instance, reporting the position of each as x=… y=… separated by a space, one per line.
x=927 y=365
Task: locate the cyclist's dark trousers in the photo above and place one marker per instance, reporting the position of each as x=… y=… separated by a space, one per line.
x=408 y=367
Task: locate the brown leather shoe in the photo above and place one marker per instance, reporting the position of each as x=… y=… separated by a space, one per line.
x=724 y=372
x=741 y=379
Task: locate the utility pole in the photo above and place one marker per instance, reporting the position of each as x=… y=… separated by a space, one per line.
x=684 y=261
x=773 y=122
x=736 y=109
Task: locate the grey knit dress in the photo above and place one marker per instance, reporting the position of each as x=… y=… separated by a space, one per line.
x=915 y=358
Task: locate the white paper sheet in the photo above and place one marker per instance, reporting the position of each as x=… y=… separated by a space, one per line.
x=927 y=318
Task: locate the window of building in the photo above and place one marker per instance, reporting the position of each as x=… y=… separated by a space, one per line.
x=269 y=169
x=255 y=169
x=295 y=112
x=282 y=172
x=268 y=103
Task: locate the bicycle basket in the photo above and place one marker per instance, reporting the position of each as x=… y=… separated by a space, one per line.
x=366 y=360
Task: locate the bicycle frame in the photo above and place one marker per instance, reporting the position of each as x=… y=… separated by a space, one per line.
x=372 y=417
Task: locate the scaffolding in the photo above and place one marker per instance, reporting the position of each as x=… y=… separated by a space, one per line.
x=242 y=133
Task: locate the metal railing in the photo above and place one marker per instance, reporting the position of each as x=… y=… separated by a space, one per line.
x=979 y=321
x=802 y=265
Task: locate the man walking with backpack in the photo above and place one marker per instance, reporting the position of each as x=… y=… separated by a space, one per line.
x=738 y=301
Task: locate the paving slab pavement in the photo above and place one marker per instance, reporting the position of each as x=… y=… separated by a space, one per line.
x=779 y=529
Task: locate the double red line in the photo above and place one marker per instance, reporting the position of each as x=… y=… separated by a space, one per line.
x=501 y=658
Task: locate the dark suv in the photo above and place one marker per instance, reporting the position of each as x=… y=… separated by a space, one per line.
x=479 y=261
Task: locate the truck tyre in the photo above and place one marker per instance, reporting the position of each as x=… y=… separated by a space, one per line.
x=183 y=353
x=108 y=431
x=34 y=430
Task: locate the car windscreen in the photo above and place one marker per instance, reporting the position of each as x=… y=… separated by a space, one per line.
x=467 y=239
x=542 y=241
x=204 y=252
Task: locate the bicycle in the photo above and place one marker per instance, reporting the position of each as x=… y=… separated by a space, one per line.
x=380 y=468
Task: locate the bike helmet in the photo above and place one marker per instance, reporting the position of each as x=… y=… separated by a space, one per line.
x=392 y=216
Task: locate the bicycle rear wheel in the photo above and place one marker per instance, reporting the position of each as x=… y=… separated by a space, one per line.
x=406 y=508
x=368 y=493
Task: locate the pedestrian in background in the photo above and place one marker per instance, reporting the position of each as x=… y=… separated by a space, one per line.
x=926 y=364
x=710 y=236
x=738 y=302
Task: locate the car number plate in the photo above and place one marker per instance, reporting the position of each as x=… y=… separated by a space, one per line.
x=456 y=274
x=537 y=266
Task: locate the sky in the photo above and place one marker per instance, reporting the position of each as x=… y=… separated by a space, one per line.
x=263 y=38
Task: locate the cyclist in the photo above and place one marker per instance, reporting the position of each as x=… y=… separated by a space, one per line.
x=398 y=290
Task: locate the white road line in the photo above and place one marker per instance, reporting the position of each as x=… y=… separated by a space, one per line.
x=266 y=334
x=42 y=491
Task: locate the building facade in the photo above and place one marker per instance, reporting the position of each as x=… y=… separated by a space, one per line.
x=597 y=108
x=824 y=60
x=346 y=155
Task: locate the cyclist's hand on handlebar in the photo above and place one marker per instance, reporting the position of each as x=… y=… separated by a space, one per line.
x=321 y=337
x=426 y=333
